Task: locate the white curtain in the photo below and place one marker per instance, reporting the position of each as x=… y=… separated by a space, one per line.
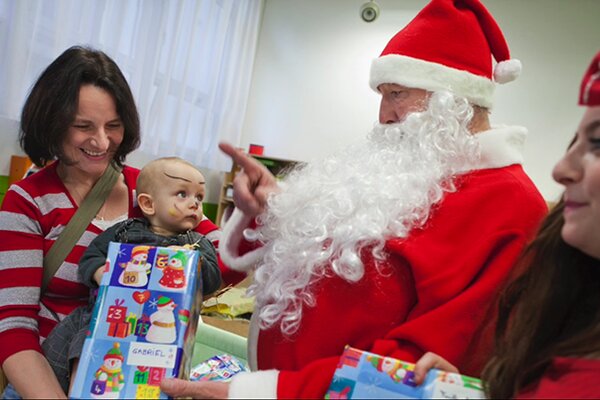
x=188 y=62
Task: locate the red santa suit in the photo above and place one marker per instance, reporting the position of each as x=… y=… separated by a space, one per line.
x=434 y=296
x=438 y=283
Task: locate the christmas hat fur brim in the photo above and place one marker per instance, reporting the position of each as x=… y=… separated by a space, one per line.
x=416 y=73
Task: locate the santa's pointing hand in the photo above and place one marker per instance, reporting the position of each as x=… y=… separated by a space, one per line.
x=253 y=184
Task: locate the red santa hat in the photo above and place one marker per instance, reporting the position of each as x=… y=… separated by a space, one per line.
x=589 y=95
x=448 y=46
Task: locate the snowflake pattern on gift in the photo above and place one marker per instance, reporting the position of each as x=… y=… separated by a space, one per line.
x=372 y=384
x=91 y=353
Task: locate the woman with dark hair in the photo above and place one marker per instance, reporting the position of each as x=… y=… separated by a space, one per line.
x=79 y=120
x=81 y=113
x=548 y=329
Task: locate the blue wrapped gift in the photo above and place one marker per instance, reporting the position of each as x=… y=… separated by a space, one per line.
x=143 y=324
x=361 y=375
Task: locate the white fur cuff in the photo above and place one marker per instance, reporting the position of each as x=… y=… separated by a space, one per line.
x=254 y=385
x=230 y=241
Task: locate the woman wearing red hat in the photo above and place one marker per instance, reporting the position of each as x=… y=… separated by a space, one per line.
x=548 y=332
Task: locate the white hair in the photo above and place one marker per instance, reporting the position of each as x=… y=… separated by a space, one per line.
x=328 y=211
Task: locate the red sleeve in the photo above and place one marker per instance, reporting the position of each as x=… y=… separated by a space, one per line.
x=454 y=302
x=308 y=383
x=131 y=174
x=21 y=256
x=460 y=262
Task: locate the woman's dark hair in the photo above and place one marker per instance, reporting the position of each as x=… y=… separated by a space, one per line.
x=551 y=309
x=52 y=103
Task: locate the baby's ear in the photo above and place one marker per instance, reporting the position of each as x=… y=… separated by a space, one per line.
x=146 y=204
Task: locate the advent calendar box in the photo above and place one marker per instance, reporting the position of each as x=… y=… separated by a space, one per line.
x=143 y=325
x=361 y=375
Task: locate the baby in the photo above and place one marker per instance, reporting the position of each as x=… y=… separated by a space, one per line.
x=169 y=193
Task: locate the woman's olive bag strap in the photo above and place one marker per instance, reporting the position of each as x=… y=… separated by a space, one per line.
x=76 y=226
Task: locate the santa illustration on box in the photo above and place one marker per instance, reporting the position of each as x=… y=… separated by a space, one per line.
x=137 y=269
x=162 y=322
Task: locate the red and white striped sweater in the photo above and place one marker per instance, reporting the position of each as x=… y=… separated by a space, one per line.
x=33 y=214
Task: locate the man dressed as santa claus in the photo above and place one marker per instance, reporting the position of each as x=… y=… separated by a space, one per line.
x=396 y=245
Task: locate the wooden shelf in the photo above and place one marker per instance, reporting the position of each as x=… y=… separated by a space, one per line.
x=277 y=166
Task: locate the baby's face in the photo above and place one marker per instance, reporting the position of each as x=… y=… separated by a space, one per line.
x=178 y=198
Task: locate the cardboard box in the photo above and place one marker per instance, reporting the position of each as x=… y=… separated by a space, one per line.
x=228 y=309
x=361 y=375
x=212 y=341
x=222 y=335
x=144 y=323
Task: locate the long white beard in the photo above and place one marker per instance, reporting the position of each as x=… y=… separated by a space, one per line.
x=328 y=211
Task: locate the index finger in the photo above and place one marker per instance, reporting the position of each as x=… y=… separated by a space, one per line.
x=198 y=390
x=429 y=361
x=238 y=156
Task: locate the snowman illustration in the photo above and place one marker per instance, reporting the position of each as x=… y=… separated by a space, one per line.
x=174 y=272
x=109 y=379
x=162 y=322
x=137 y=269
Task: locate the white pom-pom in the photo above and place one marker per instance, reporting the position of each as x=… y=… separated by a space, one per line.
x=507 y=71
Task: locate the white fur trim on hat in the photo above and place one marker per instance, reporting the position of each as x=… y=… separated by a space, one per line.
x=230 y=241
x=416 y=73
x=254 y=385
x=507 y=71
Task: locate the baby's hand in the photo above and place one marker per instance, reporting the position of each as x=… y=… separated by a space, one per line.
x=429 y=361
x=98 y=275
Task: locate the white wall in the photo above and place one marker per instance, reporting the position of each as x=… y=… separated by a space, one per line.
x=9 y=143
x=310 y=88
